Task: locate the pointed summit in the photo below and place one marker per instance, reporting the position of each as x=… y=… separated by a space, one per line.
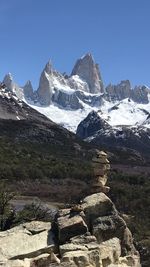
x=87 y=70
x=48 y=67
x=28 y=89
x=9 y=82
x=45 y=88
x=88 y=56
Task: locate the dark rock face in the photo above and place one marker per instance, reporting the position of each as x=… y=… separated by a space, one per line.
x=147 y=121
x=109 y=227
x=87 y=70
x=140 y=94
x=90 y=125
x=21 y=122
x=66 y=100
x=120 y=91
x=122 y=139
x=92 y=100
x=123 y=90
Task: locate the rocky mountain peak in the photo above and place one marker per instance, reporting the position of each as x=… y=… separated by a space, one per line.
x=45 y=87
x=8 y=81
x=88 y=56
x=48 y=67
x=140 y=94
x=91 y=124
x=119 y=91
x=87 y=70
x=28 y=89
x=9 y=76
x=28 y=83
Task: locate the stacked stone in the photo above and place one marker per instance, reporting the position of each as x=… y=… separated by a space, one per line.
x=101 y=166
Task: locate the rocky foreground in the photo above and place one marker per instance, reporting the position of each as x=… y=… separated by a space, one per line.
x=89 y=234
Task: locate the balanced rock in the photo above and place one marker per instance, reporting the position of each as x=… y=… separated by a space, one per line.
x=101 y=166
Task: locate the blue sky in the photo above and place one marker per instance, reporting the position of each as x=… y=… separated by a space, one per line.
x=116 y=32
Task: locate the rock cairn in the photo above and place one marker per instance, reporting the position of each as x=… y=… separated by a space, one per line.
x=90 y=234
x=101 y=166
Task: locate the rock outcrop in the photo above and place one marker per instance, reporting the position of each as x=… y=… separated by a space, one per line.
x=87 y=70
x=24 y=244
x=91 y=125
x=89 y=234
x=106 y=242
x=64 y=90
x=69 y=225
x=125 y=139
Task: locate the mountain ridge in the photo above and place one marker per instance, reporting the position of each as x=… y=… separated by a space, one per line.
x=68 y=99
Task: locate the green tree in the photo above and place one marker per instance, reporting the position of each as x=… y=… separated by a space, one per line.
x=6 y=212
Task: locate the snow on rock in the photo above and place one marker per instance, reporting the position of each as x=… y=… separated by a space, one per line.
x=65 y=117
x=88 y=71
x=67 y=100
x=125 y=112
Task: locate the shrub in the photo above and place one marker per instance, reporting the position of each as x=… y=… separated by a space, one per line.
x=6 y=212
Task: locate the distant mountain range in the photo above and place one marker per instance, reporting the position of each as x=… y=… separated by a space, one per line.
x=115 y=116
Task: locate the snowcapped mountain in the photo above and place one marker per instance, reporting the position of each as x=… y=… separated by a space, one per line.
x=68 y=99
x=98 y=131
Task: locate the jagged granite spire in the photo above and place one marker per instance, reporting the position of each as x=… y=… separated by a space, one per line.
x=9 y=82
x=119 y=91
x=28 y=89
x=48 y=67
x=87 y=70
x=45 y=85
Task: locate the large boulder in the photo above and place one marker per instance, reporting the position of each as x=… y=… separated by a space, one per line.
x=96 y=205
x=107 y=227
x=26 y=241
x=70 y=224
